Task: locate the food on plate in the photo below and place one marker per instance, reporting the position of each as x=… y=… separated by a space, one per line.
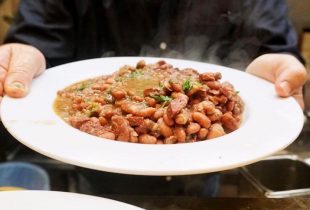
x=152 y=104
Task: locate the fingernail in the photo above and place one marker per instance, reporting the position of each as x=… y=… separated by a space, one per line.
x=18 y=85
x=286 y=88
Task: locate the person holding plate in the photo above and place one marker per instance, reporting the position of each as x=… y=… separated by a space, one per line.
x=253 y=35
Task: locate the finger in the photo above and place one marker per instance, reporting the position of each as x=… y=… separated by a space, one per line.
x=26 y=63
x=285 y=71
x=291 y=77
x=4 y=64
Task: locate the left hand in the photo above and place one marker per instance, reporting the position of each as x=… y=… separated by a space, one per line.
x=286 y=72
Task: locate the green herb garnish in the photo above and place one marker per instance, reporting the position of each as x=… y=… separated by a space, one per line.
x=187 y=85
x=83 y=86
x=136 y=74
x=160 y=98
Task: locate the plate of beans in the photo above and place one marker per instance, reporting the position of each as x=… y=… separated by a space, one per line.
x=152 y=116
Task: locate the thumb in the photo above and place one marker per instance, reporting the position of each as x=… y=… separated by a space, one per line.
x=290 y=79
x=285 y=71
x=26 y=62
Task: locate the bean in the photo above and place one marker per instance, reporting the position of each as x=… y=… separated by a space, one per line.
x=214 y=85
x=118 y=94
x=141 y=64
x=158 y=114
x=202 y=134
x=208 y=107
x=135 y=120
x=150 y=101
x=229 y=122
x=159 y=142
x=180 y=134
x=202 y=119
x=208 y=76
x=108 y=135
x=147 y=139
x=192 y=128
x=164 y=129
x=103 y=121
x=230 y=105
x=137 y=98
x=167 y=120
x=176 y=87
x=216 y=130
x=170 y=140
x=217 y=114
x=182 y=118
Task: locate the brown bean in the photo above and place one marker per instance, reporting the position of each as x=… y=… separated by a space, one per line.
x=108 y=135
x=230 y=105
x=170 y=140
x=150 y=101
x=182 y=118
x=118 y=94
x=141 y=129
x=147 y=139
x=158 y=114
x=146 y=112
x=194 y=90
x=217 y=114
x=202 y=134
x=229 y=122
x=135 y=120
x=180 y=134
x=208 y=76
x=101 y=87
x=167 y=120
x=202 y=119
x=216 y=130
x=103 y=121
x=214 y=85
x=208 y=107
x=177 y=87
x=164 y=129
x=134 y=139
x=137 y=98
x=141 y=64
x=159 y=142
x=192 y=128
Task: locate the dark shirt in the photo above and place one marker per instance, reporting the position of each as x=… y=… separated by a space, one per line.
x=228 y=32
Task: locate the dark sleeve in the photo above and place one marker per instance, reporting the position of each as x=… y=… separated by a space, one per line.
x=46 y=25
x=268 y=21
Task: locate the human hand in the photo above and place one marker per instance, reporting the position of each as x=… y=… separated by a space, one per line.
x=284 y=70
x=19 y=64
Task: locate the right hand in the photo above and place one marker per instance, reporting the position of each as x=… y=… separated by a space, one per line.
x=19 y=64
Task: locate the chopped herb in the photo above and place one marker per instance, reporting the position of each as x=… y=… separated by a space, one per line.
x=135 y=74
x=187 y=85
x=160 y=98
x=237 y=92
x=82 y=86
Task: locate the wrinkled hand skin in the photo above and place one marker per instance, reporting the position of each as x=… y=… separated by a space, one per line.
x=286 y=72
x=19 y=64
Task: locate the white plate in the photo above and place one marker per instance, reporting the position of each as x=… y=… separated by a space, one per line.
x=52 y=200
x=270 y=124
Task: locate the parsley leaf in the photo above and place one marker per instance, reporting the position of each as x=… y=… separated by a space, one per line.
x=187 y=85
x=160 y=98
x=136 y=74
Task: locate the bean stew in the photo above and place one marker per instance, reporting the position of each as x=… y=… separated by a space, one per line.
x=152 y=104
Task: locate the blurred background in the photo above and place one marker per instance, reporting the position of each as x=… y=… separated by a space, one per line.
x=233 y=182
x=299 y=12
